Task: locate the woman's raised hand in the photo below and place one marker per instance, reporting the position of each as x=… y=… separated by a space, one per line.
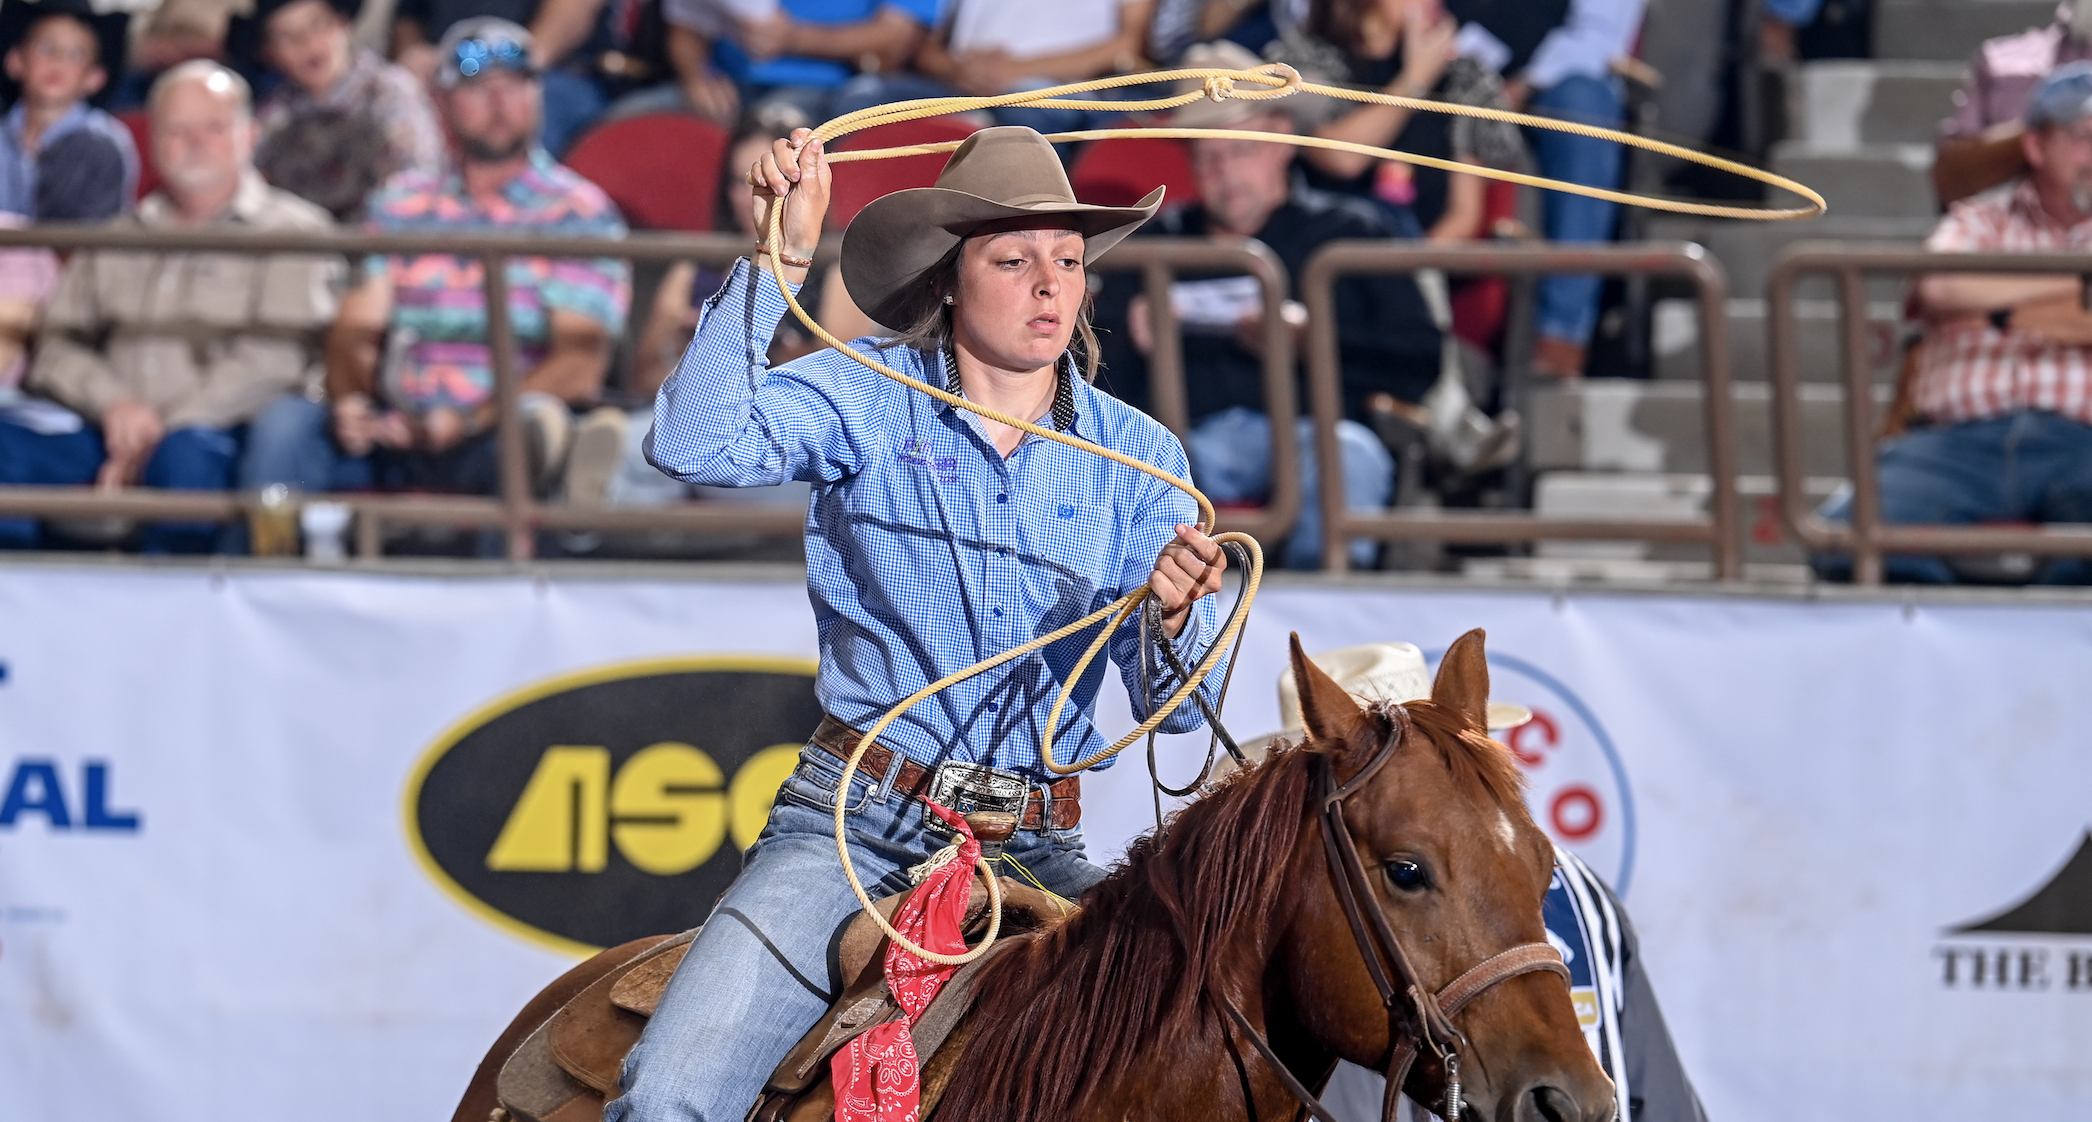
x=795 y=173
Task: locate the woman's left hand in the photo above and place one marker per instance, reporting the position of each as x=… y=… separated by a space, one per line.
x=1189 y=567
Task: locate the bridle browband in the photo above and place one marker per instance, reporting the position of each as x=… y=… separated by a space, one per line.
x=1402 y=992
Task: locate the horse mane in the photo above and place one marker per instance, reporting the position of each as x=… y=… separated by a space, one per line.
x=1124 y=975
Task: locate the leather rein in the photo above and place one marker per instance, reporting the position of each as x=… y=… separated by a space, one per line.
x=1428 y=1015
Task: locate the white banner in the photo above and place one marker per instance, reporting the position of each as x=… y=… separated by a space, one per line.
x=311 y=840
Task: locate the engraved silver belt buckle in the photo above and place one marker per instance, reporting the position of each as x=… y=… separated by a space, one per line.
x=964 y=788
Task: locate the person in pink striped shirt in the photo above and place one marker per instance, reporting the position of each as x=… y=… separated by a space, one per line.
x=2003 y=387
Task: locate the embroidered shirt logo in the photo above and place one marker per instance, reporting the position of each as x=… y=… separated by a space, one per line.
x=914 y=452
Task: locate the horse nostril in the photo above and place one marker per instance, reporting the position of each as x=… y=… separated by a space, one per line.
x=1552 y=1104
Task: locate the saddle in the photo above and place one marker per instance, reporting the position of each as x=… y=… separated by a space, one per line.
x=567 y=1068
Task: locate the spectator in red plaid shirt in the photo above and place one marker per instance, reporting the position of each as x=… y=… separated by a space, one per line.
x=2004 y=383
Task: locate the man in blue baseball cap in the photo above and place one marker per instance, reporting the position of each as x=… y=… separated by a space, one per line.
x=2002 y=393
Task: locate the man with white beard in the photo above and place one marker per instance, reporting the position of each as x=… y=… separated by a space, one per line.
x=1978 y=146
x=162 y=359
x=2003 y=386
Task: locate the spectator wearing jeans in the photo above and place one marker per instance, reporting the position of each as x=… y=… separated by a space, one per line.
x=2004 y=385
x=1386 y=338
x=986 y=48
x=56 y=63
x=163 y=358
x=409 y=372
x=1405 y=48
x=344 y=120
x=1560 y=59
x=825 y=57
x=1979 y=145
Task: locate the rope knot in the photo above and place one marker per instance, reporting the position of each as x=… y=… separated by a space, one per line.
x=1218 y=87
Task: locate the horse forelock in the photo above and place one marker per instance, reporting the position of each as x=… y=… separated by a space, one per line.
x=1471 y=755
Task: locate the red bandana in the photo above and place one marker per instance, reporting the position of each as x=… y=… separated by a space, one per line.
x=876 y=1075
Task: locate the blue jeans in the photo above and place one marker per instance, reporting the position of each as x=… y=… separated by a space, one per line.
x=192 y=459
x=763 y=969
x=292 y=442
x=1231 y=462
x=2022 y=467
x=1567 y=304
x=572 y=103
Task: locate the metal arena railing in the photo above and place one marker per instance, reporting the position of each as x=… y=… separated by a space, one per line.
x=1867 y=537
x=1720 y=530
x=514 y=510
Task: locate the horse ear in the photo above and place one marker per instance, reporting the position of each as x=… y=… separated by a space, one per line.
x=1326 y=710
x=1462 y=684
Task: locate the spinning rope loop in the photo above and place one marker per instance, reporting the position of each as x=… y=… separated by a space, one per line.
x=1263 y=83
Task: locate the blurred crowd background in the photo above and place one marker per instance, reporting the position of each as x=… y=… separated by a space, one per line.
x=595 y=117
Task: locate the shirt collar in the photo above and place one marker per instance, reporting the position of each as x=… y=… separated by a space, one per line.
x=248 y=203
x=1064 y=411
x=71 y=119
x=516 y=190
x=2027 y=201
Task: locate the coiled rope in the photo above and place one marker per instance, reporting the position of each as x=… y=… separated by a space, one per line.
x=1263 y=83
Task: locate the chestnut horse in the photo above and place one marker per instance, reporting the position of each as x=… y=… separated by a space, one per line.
x=1231 y=923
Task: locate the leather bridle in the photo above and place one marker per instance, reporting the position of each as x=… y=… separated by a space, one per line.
x=1416 y=1016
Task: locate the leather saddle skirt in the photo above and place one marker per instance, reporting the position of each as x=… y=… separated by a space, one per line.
x=567 y=1068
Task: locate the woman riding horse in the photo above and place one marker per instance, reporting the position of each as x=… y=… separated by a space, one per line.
x=935 y=539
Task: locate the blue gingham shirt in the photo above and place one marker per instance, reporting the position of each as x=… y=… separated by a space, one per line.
x=926 y=550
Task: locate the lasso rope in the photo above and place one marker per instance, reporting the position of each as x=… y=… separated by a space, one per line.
x=1267 y=82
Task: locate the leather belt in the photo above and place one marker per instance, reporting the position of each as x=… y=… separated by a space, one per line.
x=839 y=740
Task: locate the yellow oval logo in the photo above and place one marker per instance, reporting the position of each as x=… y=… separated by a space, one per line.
x=600 y=806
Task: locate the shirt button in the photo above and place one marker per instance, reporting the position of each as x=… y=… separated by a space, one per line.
x=1002 y=498
x=997 y=612
x=1003 y=552
x=992 y=707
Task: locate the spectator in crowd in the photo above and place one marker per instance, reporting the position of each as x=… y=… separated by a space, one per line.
x=986 y=48
x=1561 y=59
x=162 y=358
x=409 y=373
x=344 y=120
x=170 y=32
x=1403 y=47
x=1980 y=145
x=1386 y=338
x=573 y=41
x=1179 y=24
x=825 y=57
x=56 y=62
x=2004 y=381
x=79 y=178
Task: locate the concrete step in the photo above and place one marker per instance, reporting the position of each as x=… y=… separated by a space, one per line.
x=1845 y=103
x=1664 y=496
x=1617 y=424
x=1819 y=340
x=1865 y=180
x=1950 y=30
x=1746 y=249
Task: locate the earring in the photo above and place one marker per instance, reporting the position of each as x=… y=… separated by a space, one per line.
x=947 y=298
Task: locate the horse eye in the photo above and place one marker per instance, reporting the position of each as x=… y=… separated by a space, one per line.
x=1407 y=875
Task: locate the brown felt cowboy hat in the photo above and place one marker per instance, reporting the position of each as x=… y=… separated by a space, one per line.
x=998 y=173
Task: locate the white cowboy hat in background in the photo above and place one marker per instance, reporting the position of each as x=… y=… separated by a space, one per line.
x=1372 y=672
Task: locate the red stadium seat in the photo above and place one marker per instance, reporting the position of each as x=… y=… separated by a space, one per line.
x=1121 y=171
x=141 y=127
x=661 y=169
x=1480 y=304
x=858 y=184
